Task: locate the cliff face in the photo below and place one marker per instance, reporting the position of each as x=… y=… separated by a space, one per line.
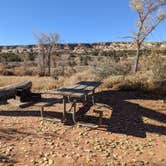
x=79 y=48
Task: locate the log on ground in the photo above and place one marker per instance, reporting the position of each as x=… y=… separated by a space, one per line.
x=10 y=91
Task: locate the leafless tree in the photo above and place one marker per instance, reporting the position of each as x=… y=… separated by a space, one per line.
x=64 y=61
x=150 y=15
x=47 y=43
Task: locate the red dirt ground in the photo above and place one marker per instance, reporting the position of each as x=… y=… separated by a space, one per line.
x=133 y=133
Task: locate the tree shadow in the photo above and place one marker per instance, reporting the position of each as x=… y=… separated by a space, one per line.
x=125 y=117
x=12 y=133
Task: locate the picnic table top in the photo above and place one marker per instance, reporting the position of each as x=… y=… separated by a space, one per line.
x=77 y=90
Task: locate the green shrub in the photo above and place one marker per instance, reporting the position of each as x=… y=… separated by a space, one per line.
x=112 y=69
x=84 y=59
x=9 y=57
x=156 y=65
x=32 y=56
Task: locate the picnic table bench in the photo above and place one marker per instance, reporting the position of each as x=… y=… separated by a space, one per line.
x=42 y=103
x=20 y=95
x=74 y=93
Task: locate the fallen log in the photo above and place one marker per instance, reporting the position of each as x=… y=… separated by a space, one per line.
x=11 y=91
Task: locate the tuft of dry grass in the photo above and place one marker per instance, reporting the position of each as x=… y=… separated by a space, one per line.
x=137 y=82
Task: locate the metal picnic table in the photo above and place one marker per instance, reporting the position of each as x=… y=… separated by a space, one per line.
x=76 y=92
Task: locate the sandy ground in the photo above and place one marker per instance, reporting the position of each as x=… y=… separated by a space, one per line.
x=133 y=132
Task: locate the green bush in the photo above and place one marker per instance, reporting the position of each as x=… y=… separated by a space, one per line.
x=9 y=57
x=112 y=69
x=84 y=59
x=32 y=56
x=157 y=65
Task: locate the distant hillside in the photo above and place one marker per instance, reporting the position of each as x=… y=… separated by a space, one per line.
x=82 y=47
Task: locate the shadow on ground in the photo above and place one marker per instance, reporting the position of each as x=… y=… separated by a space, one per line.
x=126 y=117
x=12 y=133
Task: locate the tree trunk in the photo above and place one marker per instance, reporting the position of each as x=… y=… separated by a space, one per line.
x=63 y=69
x=44 y=65
x=49 y=65
x=137 y=58
x=41 y=63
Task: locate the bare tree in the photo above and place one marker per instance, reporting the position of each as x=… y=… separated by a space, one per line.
x=47 y=43
x=64 y=61
x=150 y=15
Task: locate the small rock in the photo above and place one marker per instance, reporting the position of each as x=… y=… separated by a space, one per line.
x=45 y=159
x=50 y=162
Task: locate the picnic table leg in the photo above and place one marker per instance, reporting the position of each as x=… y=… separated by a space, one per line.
x=64 y=108
x=84 y=99
x=74 y=111
x=93 y=97
x=41 y=111
x=69 y=100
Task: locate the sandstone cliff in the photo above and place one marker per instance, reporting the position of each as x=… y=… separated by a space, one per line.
x=82 y=47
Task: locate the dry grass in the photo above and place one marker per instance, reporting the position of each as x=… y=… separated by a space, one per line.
x=47 y=83
x=139 y=82
x=136 y=82
x=39 y=83
x=142 y=81
x=111 y=82
x=151 y=78
x=112 y=68
x=25 y=71
x=86 y=75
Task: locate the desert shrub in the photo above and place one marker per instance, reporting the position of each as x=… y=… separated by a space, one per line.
x=111 y=69
x=133 y=85
x=60 y=72
x=117 y=54
x=32 y=56
x=141 y=83
x=136 y=82
x=159 y=70
x=112 y=82
x=24 y=71
x=84 y=59
x=30 y=72
x=156 y=64
x=56 y=73
x=95 y=52
x=9 y=57
x=7 y=73
x=72 y=63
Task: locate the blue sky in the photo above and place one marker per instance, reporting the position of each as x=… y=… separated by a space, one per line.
x=75 y=20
